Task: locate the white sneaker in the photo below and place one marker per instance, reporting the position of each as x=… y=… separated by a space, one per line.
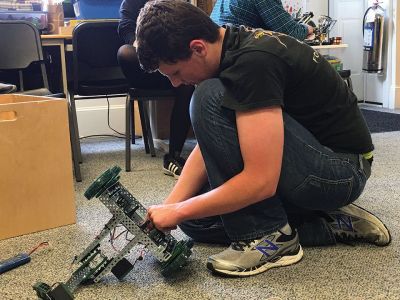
x=352 y=223
x=246 y=258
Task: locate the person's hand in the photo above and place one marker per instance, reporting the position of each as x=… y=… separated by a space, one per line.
x=164 y=217
x=310 y=33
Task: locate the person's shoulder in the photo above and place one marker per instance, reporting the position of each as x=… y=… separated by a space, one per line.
x=132 y=5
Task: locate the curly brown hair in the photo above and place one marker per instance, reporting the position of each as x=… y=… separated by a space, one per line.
x=165 y=29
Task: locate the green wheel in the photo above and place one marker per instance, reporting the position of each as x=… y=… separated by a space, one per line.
x=105 y=180
x=179 y=258
x=42 y=289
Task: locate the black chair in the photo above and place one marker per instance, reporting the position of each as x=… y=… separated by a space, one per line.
x=142 y=96
x=346 y=76
x=20 y=48
x=96 y=72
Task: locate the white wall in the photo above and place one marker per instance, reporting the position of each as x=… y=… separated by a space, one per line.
x=92 y=116
x=380 y=89
x=318 y=7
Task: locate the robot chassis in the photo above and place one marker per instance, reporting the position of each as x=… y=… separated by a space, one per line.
x=130 y=213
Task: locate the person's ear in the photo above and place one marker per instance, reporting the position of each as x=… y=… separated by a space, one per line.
x=198 y=47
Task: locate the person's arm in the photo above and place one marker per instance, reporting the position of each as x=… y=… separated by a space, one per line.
x=129 y=11
x=262 y=158
x=277 y=19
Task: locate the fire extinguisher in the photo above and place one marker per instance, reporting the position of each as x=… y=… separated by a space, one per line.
x=373 y=38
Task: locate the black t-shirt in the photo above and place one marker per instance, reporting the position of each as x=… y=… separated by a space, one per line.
x=261 y=68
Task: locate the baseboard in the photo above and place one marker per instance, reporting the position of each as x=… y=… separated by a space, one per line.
x=92 y=116
x=92 y=120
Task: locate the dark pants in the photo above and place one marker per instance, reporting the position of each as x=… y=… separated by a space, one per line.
x=314 y=179
x=180 y=119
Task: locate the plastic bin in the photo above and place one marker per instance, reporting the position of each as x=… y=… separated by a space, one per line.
x=97 y=9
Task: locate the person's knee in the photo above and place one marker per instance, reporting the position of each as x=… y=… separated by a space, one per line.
x=206 y=99
x=127 y=55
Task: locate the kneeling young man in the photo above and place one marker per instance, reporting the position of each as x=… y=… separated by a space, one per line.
x=281 y=142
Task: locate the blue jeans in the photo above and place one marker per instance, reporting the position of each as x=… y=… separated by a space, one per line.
x=313 y=180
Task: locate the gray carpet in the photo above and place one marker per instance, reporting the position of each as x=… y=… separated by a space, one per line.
x=340 y=272
x=379 y=121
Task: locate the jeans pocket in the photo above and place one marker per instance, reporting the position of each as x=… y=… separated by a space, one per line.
x=317 y=193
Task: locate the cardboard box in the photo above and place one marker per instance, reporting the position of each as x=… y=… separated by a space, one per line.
x=36 y=184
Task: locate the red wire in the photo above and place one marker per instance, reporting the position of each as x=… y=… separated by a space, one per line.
x=37 y=247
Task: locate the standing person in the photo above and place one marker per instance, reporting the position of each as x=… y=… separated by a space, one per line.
x=267 y=14
x=278 y=130
x=127 y=58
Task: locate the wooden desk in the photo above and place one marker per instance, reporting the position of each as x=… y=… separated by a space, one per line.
x=328 y=47
x=59 y=40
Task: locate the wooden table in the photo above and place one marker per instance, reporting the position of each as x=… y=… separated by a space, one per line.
x=328 y=47
x=59 y=40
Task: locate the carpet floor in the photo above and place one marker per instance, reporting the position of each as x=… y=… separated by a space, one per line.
x=340 y=272
x=379 y=121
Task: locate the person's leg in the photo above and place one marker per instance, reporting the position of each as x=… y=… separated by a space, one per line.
x=179 y=128
x=216 y=133
x=305 y=193
x=179 y=120
x=129 y=63
x=261 y=237
x=206 y=230
x=318 y=186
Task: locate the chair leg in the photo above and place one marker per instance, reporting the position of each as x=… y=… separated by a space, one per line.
x=133 y=131
x=350 y=83
x=75 y=123
x=142 y=113
x=128 y=120
x=148 y=131
x=77 y=168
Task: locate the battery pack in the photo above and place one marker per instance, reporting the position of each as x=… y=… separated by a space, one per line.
x=14 y=262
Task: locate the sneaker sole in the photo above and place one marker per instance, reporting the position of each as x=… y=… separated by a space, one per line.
x=284 y=261
x=370 y=217
x=169 y=173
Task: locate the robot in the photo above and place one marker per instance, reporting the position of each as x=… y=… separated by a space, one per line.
x=93 y=264
x=321 y=30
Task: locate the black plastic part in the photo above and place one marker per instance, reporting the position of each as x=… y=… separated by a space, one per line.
x=42 y=289
x=144 y=225
x=122 y=268
x=179 y=257
x=61 y=292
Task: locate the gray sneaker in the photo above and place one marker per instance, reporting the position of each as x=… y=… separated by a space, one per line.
x=352 y=223
x=246 y=258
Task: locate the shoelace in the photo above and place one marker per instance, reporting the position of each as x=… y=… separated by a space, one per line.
x=242 y=245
